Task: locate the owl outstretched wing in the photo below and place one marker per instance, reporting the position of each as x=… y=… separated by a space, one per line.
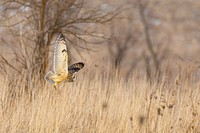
x=60 y=61
x=72 y=70
x=75 y=67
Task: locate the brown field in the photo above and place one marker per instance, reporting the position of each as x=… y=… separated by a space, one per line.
x=138 y=38
x=102 y=103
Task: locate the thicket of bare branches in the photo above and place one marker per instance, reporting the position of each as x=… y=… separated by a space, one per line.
x=31 y=25
x=128 y=35
x=153 y=33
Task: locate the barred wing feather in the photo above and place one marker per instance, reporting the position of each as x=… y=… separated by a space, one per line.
x=75 y=67
x=60 y=56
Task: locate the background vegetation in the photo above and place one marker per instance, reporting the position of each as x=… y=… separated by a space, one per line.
x=141 y=73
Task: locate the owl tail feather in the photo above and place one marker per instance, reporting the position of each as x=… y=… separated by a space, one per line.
x=47 y=77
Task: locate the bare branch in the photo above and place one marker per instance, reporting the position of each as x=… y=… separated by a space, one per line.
x=5 y=61
x=147 y=37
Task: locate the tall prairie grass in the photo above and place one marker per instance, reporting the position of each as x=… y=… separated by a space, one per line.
x=101 y=103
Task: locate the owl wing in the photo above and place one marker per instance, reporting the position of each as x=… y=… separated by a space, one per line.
x=75 y=67
x=60 y=61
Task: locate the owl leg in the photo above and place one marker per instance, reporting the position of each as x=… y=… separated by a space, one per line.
x=56 y=88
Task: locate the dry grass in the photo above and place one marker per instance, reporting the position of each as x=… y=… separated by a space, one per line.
x=102 y=104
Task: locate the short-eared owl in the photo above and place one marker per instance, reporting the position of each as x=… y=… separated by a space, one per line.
x=62 y=72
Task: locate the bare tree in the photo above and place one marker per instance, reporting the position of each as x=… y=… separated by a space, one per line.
x=120 y=44
x=31 y=25
x=148 y=41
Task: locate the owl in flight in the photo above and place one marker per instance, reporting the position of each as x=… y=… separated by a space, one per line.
x=62 y=72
